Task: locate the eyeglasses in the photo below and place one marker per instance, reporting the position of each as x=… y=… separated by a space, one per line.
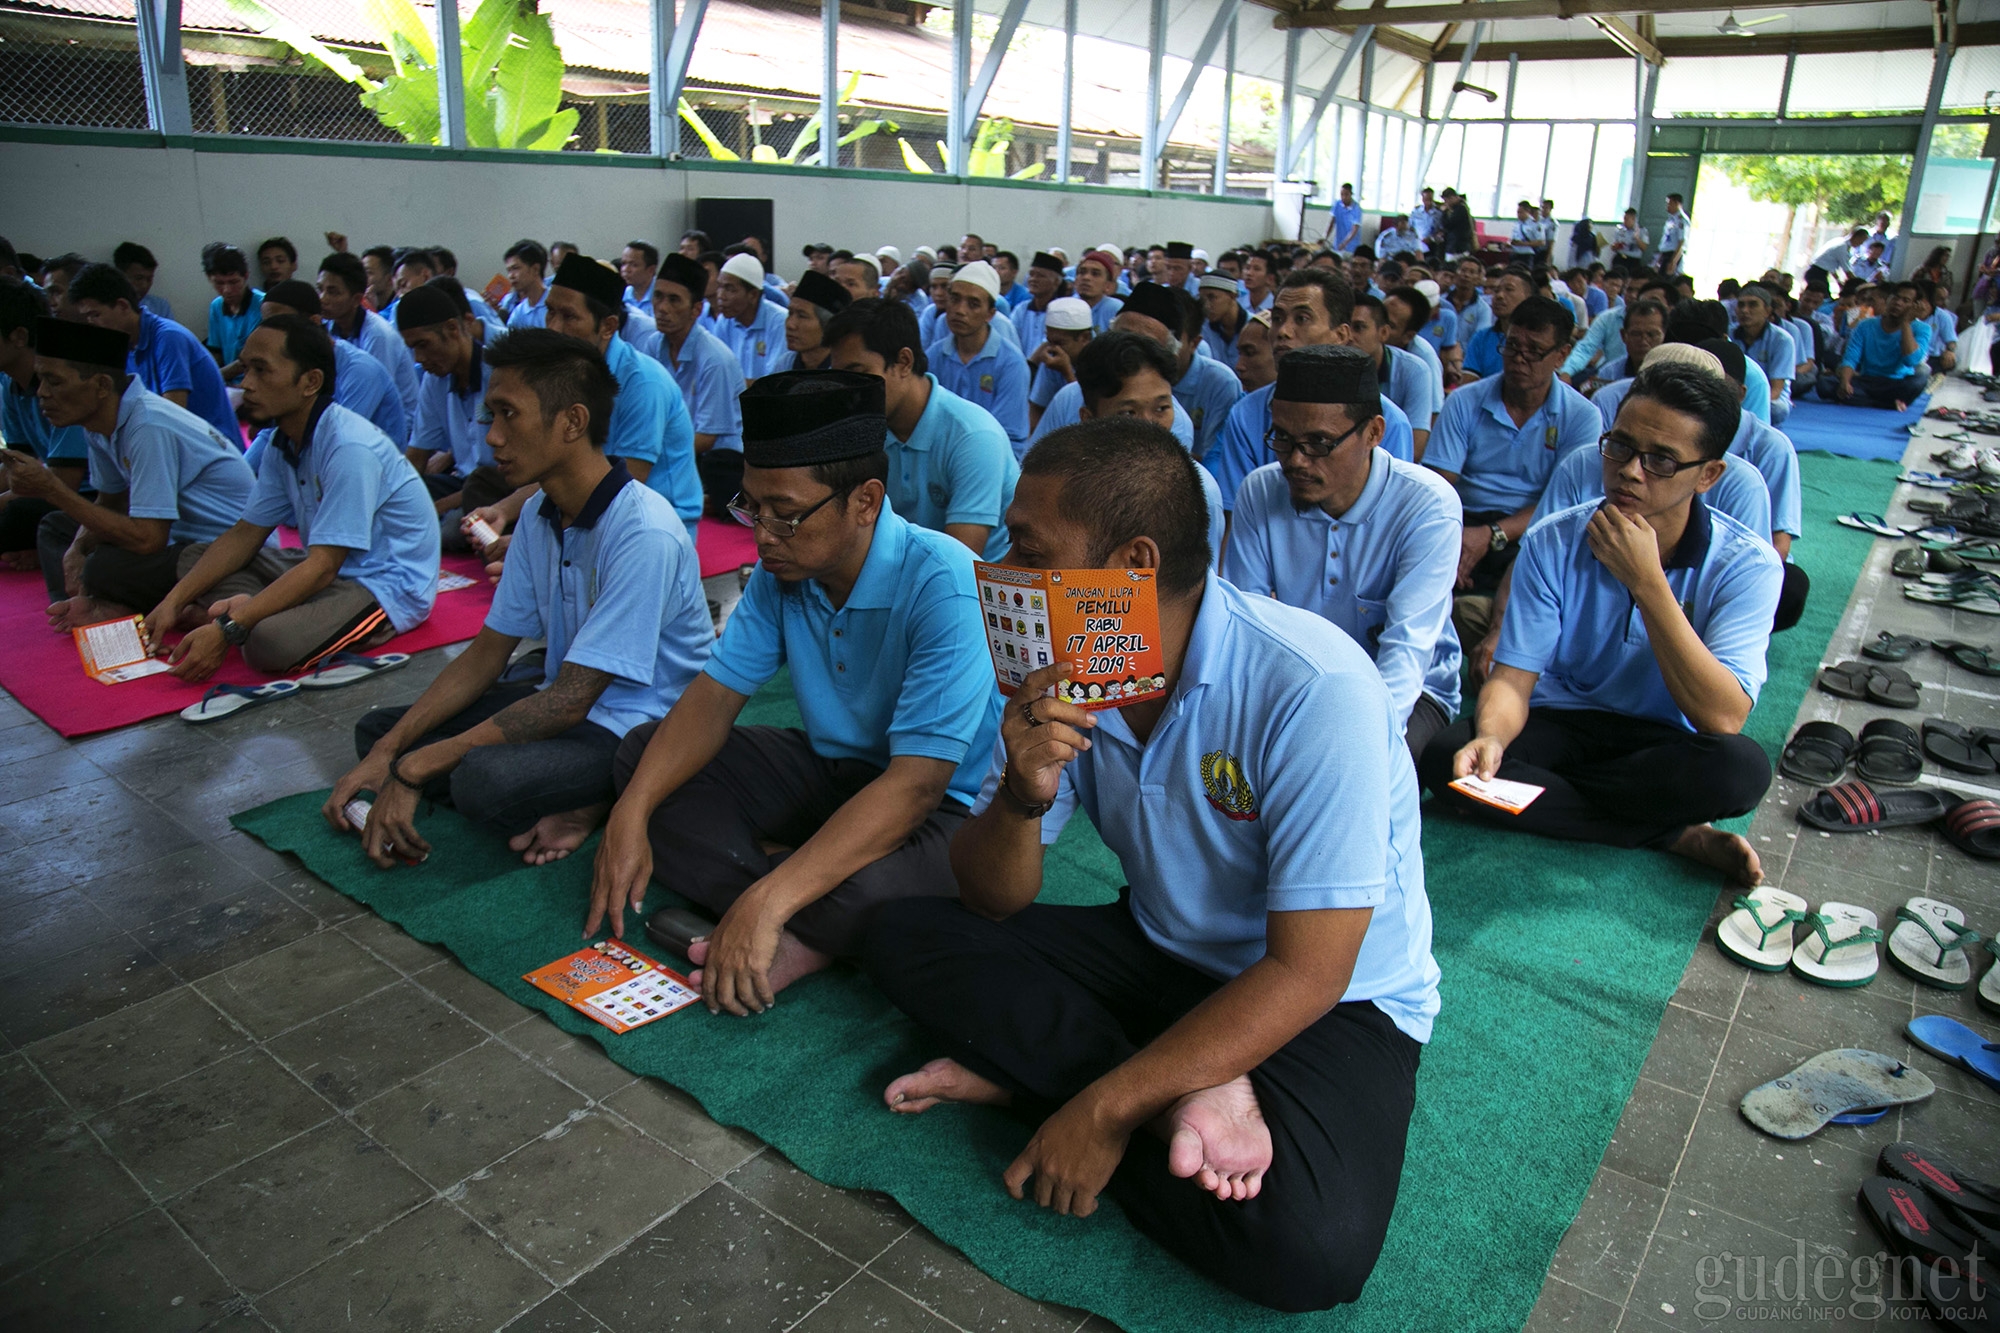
x=1525 y=351
x=1312 y=446
x=1657 y=464
x=782 y=528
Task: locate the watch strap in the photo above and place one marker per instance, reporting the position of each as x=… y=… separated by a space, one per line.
x=1027 y=811
x=233 y=633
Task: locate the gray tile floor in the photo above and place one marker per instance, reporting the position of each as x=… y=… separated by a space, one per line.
x=1692 y=1210
x=232 y=1099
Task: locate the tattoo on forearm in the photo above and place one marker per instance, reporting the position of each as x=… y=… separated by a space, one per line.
x=548 y=712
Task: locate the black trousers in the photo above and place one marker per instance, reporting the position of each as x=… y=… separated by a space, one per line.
x=509 y=787
x=1876 y=390
x=721 y=472
x=19 y=520
x=110 y=573
x=1426 y=720
x=1791 y=598
x=768 y=786
x=1623 y=781
x=1051 y=999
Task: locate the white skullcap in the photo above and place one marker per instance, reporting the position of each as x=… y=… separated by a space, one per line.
x=942 y=271
x=890 y=251
x=1429 y=289
x=1686 y=354
x=926 y=251
x=979 y=274
x=745 y=269
x=1200 y=254
x=1217 y=282
x=1068 y=312
x=1059 y=252
x=1112 y=249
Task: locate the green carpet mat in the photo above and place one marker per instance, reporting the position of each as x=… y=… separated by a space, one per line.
x=1558 y=962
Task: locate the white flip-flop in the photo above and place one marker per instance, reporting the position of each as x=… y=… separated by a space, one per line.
x=1874 y=523
x=1840 y=951
x=223 y=700
x=1929 y=943
x=1988 y=993
x=347 y=668
x=1758 y=934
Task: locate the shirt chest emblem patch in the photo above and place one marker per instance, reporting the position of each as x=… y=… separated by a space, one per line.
x=1549 y=439
x=939 y=495
x=1227 y=789
x=1197 y=415
x=760 y=347
x=986 y=384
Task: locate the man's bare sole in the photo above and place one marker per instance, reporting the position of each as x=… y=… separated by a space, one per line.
x=792 y=961
x=1730 y=853
x=76 y=612
x=943 y=1081
x=1217 y=1137
x=555 y=836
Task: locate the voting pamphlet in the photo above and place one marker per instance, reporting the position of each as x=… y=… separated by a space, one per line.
x=617 y=987
x=1513 y=797
x=114 y=651
x=1103 y=624
x=450 y=582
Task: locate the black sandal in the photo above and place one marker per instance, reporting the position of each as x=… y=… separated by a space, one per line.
x=1955 y=747
x=1888 y=752
x=1817 y=753
x=1892 y=647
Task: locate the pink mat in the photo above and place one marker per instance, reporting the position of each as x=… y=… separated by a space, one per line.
x=41 y=670
x=724 y=546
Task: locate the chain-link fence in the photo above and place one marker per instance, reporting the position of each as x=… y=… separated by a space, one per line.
x=73 y=65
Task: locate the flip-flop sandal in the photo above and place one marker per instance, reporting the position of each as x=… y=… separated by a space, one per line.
x=1974 y=827
x=1955 y=1043
x=1817 y=753
x=1856 y=807
x=1977 y=600
x=1928 y=480
x=1892 y=688
x=1955 y=747
x=1929 y=943
x=1923 y=1167
x=1912 y=1221
x=1908 y=562
x=1758 y=934
x=347 y=668
x=1988 y=993
x=1840 y=951
x=1982 y=553
x=223 y=700
x=1892 y=647
x=1801 y=1103
x=1874 y=523
x=1979 y=661
x=1846 y=680
x=1888 y=752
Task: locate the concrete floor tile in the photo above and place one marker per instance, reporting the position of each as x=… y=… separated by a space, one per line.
x=298 y=982
x=80 y=833
x=1652 y=1133
x=468 y=1112
x=577 y=1061
x=946 y=1283
x=218 y=935
x=37 y=930
x=1600 y=1252
x=55 y=769
x=165 y=886
x=874 y=1306
x=1783 y=1185
x=392 y=945
x=1563 y=1307
x=557 y=1314
x=142 y=1274
x=1684 y=1051
x=677 y=1120
x=108 y=973
x=313 y=893
x=137 y=1050
x=479 y=1001
x=370 y=1046
x=58 y=1184
x=857 y=1223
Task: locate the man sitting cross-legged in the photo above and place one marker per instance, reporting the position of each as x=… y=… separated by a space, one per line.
x=1632 y=647
x=25 y=430
x=370 y=565
x=163 y=477
x=794 y=836
x=602 y=568
x=1230 y=1050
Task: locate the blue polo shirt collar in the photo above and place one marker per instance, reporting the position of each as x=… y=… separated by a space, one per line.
x=879 y=584
x=920 y=436
x=476 y=377
x=1371 y=490
x=1692 y=549
x=294 y=452
x=1496 y=406
x=985 y=353
x=616 y=480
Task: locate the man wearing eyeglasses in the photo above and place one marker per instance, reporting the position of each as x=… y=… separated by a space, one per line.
x=1498 y=441
x=793 y=836
x=1633 y=648
x=1339 y=528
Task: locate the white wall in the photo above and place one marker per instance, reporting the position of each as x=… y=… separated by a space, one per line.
x=60 y=197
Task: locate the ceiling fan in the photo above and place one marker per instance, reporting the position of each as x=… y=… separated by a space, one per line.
x=1734 y=27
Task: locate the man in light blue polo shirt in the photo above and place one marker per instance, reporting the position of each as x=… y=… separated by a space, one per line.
x=1204 y=388
x=1885 y=364
x=527 y=267
x=750 y=326
x=1769 y=344
x=1633 y=649
x=368 y=569
x=448 y=443
x=163 y=477
x=1339 y=528
x=974 y=360
x=23 y=427
x=237 y=305
x=168 y=359
x=1223 y=316
x=342 y=283
x=879 y=623
x=951 y=468
x=1096 y=279
x=1403 y=377
x=602 y=569
x=360 y=384
x=1229 y=1050
x=1497 y=442
x=708 y=374
x=1343 y=222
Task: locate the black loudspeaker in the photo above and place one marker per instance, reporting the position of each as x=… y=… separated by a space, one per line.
x=728 y=221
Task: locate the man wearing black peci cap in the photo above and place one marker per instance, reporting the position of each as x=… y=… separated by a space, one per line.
x=164 y=478
x=879 y=623
x=360 y=384
x=816 y=299
x=1180 y=266
x=448 y=442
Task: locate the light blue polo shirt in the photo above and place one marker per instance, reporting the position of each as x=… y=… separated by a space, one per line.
x=996 y=379
x=1873 y=351
x=649 y=422
x=158 y=304
x=1104 y=312
x=378 y=337
x=1471 y=319
x=1239 y=450
x=1412 y=387
x=1066 y=409
x=1604 y=336
x=362 y=387
x=1500 y=467
x=452 y=422
x=1577 y=627
x=1427 y=354
x=170 y=464
x=1223 y=349
x=1481 y=356
x=710 y=379
x=168 y=358
x=957 y=467
x=1222 y=816
x=754 y=343
x=1770 y=451
x=1031 y=326
x=900 y=668
x=1443 y=330
x=525 y=315
x=1740 y=493
x=24 y=427
x=1803 y=341
x=618 y=590
x=1346 y=219
x=351 y=487
x=1384 y=571
x=1777 y=356
x=226 y=332
x=1208 y=390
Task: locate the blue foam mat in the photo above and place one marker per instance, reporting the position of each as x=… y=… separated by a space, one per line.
x=1852 y=432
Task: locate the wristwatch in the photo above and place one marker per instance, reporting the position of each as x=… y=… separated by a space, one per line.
x=233 y=634
x=1027 y=811
x=1500 y=538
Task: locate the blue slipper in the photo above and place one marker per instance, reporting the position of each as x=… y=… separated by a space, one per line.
x=222 y=700
x=1955 y=1043
x=1832 y=1083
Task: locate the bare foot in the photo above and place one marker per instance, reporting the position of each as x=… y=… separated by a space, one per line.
x=555 y=836
x=1218 y=1137
x=1728 y=852
x=20 y=561
x=943 y=1081
x=793 y=960
x=76 y=612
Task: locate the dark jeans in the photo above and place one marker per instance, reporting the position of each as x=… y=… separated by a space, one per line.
x=1623 y=781
x=1875 y=390
x=110 y=573
x=509 y=787
x=767 y=785
x=1051 y=999
x=721 y=472
x=1426 y=720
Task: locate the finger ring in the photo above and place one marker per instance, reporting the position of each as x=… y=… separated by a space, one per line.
x=1028 y=712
